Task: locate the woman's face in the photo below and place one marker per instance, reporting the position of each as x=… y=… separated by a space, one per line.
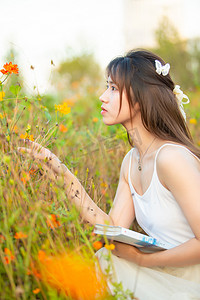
x=111 y=103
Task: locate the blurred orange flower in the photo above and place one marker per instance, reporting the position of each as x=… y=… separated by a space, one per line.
x=20 y=235
x=26 y=177
x=9 y=256
x=27 y=136
x=10 y=68
x=73 y=275
x=97 y=245
x=53 y=222
x=62 y=128
x=94 y=120
x=110 y=247
x=36 y=291
x=15 y=129
x=2 y=238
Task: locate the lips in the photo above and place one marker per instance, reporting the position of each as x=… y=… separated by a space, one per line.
x=104 y=111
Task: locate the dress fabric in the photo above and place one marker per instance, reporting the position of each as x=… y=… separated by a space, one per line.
x=160 y=216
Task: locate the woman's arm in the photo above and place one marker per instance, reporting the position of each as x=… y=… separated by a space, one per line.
x=122 y=212
x=179 y=172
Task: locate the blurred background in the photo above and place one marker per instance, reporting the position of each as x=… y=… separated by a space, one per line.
x=43 y=35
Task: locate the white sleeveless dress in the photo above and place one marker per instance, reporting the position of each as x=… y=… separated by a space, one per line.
x=160 y=216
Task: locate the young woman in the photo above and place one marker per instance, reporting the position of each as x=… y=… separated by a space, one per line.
x=159 y=182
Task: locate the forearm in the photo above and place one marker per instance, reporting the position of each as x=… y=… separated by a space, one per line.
x=185 y=254
x=78 y=196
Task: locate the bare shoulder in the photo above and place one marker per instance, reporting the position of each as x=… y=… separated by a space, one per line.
x=172 y=161
x=175 y=154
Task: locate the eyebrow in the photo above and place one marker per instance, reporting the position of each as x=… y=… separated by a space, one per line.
x=110 y=82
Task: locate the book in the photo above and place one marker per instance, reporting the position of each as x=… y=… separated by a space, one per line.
x=143 y=242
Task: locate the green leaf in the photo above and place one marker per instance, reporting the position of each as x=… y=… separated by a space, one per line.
x=15 y=89
x=47 y=115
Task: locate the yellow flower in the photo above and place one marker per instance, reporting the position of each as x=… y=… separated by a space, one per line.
x=193 y=121
x=63 y=108
x=110 y=247
x=2 y=95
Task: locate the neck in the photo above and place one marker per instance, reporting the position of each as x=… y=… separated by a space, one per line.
x=141 y=137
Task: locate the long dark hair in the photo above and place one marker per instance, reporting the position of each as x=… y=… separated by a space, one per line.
x=160 y=113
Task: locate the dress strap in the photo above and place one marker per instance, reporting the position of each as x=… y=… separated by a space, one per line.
x=130 y=160
x=175 y=145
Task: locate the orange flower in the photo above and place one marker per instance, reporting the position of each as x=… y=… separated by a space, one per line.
x=7 y=259
x=27 y=136
x=62 y=128
x=97 y=245
x=26 y=177
x=20 y=235
x=32 y=171
x=9 y=256
x=36 y=291
x=94 y=120
x=2 y=238
x=15 y=129
x=64 y=271
x=41 y=255
x=53 y=222
x=110 y=247
x=10 y=68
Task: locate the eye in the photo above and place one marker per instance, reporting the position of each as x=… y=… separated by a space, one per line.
x=113 y=88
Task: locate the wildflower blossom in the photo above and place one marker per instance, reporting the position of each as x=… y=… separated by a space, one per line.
x=20 y=235
x=2 y=95
x=27 y=136
x=2 y=238
x=36 y=291
x=110 y=247
x=62 y=128
x=73 y=275
x=9 y=256
x=9 y=69
x=63 y=108
x=193 y=121
x=26 y=177
x=97 y=245
x=95 y=120
x=53 y=222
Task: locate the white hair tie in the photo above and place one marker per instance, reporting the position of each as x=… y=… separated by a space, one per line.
x=160 y=69
x=180 y=96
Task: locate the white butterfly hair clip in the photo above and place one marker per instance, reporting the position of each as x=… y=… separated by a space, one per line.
x=160 y=69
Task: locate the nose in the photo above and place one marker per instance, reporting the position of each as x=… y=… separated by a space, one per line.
x=104 y=97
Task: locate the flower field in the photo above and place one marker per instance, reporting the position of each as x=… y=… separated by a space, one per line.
x=46 y=249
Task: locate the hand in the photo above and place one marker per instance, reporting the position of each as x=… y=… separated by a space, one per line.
x=45 y=155
x=127 y=252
